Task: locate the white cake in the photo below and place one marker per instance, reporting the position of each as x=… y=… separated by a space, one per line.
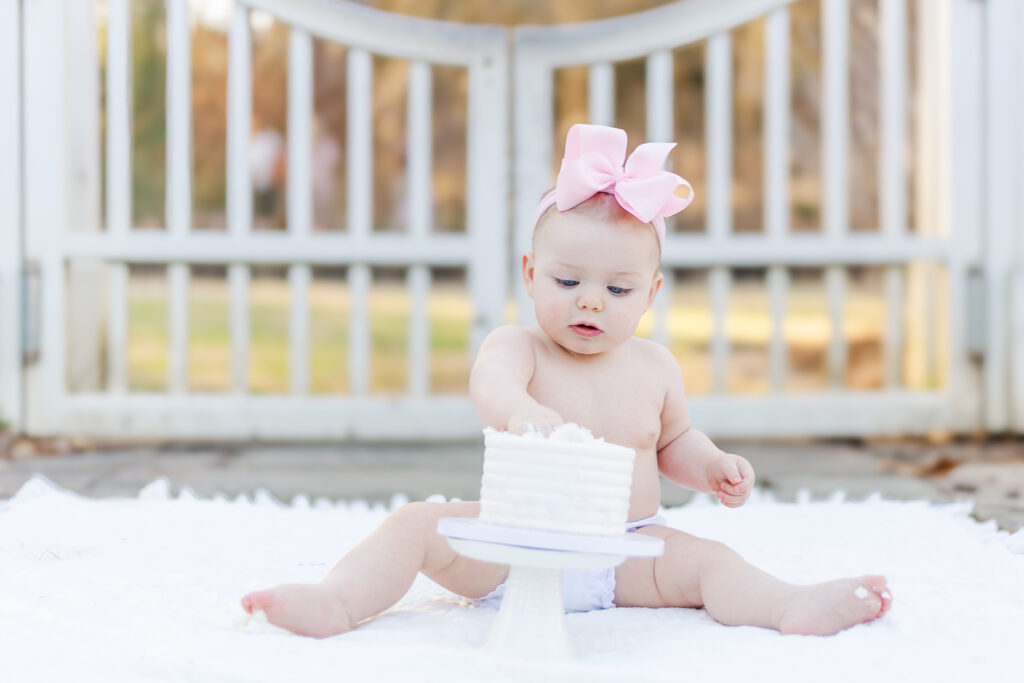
x=568 y=482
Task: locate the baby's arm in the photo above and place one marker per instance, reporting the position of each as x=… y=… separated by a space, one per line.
x=499 y=380
x=687 y=457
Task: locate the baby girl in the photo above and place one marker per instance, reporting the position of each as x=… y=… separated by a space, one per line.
x=592 y=273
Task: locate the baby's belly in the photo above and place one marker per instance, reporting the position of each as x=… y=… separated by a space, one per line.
x=646 y=495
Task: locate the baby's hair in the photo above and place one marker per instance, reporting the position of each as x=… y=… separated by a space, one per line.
x=603 y=206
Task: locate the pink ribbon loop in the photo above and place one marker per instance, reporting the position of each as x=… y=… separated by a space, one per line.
x=595 y=161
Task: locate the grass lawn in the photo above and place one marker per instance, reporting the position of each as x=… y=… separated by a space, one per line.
x=748 y=327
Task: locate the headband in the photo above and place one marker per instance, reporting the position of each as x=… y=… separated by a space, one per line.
x=593 y=163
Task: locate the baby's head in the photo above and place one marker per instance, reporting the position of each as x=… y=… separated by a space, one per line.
x=597 y=240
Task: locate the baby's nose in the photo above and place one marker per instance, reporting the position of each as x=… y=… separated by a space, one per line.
x=590 y=300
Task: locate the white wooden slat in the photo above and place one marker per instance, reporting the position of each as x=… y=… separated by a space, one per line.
x=299 y=349
x=778 y=359
x=85 y=320
x=360 y=143
x=119 y=125
x=892 y=175
x=437 y=418
x=420 y=150
x=419 y=331
x=1001 y=187
x=892 y=97
x=835 y=31
x=239 y=182
x=776 y=189
x=117 y=328
x=662 y=307
x=201 y=416
x=950 y=144
x=1017 y=284
x=636 y=35
x=895 y=338
x=835 y=294
x=386 y=33
x=46 y=188
x=84 y=154
x=177 y=342
x=661 y=128
x=660 y=85
x=1016 y=332
x=359 y=281
x=11 y=404
x=179 y=119
x=601 y=94
x=487 y=191
x=856 y=414
x=691 y=251
x=239 y=276
x=300 y=133
x=534 y=120
x=718 y=117
x=719 y=286
x=776 y=123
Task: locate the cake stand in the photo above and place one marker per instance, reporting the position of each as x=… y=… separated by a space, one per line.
x=531 y=621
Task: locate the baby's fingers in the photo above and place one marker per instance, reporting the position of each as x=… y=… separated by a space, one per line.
x=731 y=500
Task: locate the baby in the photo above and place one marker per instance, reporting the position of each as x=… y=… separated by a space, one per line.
x=593 y=272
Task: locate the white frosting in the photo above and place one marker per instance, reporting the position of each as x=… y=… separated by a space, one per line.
x=568 y=481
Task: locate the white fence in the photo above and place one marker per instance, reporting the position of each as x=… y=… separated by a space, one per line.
x=969 y=213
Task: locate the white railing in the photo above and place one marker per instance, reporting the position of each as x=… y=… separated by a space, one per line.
x=10 y=213
x=480 y=249
x=967 y=145
x=651 y=36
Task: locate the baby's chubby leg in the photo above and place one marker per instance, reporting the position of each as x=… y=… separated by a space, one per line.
x=695 y=572
x=378 y=572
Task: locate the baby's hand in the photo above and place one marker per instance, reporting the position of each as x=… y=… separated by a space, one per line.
x=731 y=478
x=537 y=418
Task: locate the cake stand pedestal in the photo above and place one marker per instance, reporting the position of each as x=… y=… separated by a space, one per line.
x=531 y=621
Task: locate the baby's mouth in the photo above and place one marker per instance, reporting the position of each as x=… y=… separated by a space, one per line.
x=586 y=330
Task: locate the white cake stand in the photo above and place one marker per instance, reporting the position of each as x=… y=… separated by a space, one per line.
x=531 y=621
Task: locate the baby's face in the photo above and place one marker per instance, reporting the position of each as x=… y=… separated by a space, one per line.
x=591 y=280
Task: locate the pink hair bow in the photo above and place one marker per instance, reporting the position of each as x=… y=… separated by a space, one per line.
x=595 y=161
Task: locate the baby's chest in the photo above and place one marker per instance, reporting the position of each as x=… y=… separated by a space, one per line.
x=617 y=408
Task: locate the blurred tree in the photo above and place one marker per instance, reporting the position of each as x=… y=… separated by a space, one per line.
x=149 y=123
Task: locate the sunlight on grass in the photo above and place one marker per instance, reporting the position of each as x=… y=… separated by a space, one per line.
x=690 y=326
x=210 y=346
x=147 y=333
x=209 y=352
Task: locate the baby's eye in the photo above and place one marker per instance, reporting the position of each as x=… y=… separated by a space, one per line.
x=618 y=290
x=566 y=283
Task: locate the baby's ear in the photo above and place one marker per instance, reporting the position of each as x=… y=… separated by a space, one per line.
x=528 y=269
x=655 y=288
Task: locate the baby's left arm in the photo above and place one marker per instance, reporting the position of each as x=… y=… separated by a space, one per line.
x=687 y=457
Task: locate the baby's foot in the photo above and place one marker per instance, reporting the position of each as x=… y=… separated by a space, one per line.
x=308 y=610
x=827 y=608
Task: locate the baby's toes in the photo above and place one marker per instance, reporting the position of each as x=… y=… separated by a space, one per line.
x=874 y=591
x=257 y=600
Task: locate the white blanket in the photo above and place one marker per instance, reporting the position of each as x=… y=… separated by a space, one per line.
x=147 y=589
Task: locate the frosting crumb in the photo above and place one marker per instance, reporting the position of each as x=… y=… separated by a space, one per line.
x=569 y=431
x=258 y=616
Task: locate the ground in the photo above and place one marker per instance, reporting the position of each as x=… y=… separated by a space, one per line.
x=989 y=472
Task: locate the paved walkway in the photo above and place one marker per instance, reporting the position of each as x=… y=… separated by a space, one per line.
x=991 y=473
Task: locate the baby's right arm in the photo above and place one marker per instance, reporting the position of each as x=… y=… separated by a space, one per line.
x=498 y=383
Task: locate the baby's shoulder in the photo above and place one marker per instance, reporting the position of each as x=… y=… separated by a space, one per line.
x=509 y=335
x=654 y=361
x=653 y=354
x=514 y=339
